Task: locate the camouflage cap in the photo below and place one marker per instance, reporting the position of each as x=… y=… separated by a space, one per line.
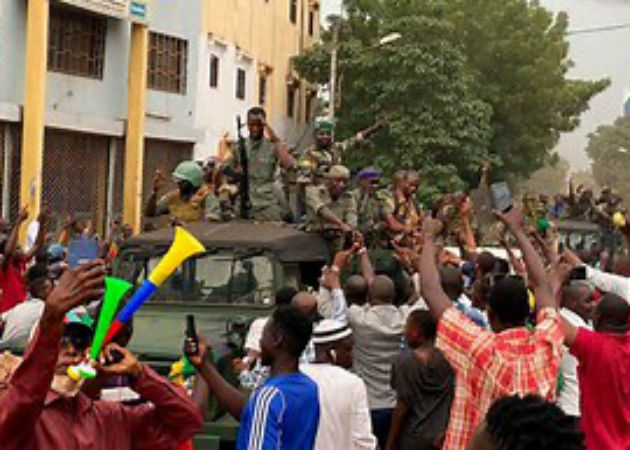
x=339 y=172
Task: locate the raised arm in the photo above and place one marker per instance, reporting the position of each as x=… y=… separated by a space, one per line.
x=40 y=240
x=233 y=400
x=431 y=287
x=22 y=402
x=282 y=152
x=367 y=269
x=12 y=240
x=468 y=236
x=151 y=209
x=535 y=267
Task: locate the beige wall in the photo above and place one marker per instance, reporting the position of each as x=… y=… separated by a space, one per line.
x=262 y=29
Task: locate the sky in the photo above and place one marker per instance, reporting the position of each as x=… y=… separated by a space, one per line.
x=602 y=54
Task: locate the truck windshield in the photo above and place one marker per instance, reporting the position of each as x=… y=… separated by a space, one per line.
x=211 y=278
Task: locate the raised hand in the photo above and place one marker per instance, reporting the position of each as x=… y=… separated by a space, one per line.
x=77 y=286
x=128 y=365
x=158 y=181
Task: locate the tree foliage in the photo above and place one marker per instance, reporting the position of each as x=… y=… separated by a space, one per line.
x=609 y=150
x=469 y=80
x=549 y=180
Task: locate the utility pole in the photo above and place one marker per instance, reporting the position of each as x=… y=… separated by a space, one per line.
x=332 y=84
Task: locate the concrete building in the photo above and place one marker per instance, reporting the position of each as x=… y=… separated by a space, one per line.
x=255 y=40
x=95 y=96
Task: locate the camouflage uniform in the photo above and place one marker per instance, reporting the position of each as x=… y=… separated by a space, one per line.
x=315 y=163
x=187 y=211
x=196 y=206
x=370 y=206
x=344 y=207
x=405 y=211
x=263 y=191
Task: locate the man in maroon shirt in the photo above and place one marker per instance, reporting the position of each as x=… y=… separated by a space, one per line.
x=41 y=409
x=604 y=373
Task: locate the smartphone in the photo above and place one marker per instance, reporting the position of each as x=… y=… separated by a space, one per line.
x=578 y=273
x=191 y=344
x=501 y=196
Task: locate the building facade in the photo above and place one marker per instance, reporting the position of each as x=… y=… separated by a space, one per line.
x=205 y=61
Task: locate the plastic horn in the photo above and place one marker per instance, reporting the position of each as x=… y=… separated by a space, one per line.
x=115 y=290
x=183 y=247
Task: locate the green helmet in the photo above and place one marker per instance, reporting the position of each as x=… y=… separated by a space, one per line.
x=324 y=124
x=189 y=171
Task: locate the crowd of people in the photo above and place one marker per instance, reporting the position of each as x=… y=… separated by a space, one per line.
x=461 y=349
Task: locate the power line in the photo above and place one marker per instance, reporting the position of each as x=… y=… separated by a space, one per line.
x=599 y=29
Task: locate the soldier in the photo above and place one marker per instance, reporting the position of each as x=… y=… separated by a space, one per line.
x=264 y=154
x=370 y=202
x=402 y=213
x=187 y=203
x=222 y=205
x=325 y=153
x=330 y=209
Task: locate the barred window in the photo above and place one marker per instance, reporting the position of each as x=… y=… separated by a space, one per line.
x=76 y=43
x=308 y=107
x=214 y=71
x=311 y=22
x=240 y=84
x=290 y=101
x=293 y=11
x=262 y=90
x=168 y=57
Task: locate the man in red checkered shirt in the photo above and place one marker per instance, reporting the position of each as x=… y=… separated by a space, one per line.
x=508 y=360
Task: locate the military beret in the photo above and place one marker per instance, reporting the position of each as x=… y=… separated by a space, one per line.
x=339 y=172
x=369 y=172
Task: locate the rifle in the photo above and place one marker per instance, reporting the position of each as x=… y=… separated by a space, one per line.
x=246 y=204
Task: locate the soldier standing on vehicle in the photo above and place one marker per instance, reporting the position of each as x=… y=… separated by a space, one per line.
x=331 y=210
x=264 y=154
x=320 y=157
x=370 y=202
x=188 y=202
x=402 y=212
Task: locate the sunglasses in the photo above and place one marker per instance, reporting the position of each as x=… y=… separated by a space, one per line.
x=79 y=342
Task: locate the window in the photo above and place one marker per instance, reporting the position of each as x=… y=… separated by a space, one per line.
x=293 y=11
x=76 y=43
x=308 y=106
x=214 y=71
x=217 y=278
x=311 y=22
x=262 y=89
x=167 y=63
x=240 y=84
x=290 y=101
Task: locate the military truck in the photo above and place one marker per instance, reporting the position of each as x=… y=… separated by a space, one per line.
x=225 y=288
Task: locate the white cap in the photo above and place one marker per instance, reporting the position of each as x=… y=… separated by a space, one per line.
x=329 y=330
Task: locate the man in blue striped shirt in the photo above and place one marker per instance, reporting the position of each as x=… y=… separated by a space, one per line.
x=283 y=414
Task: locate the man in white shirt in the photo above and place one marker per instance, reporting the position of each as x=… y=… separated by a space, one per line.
x=577 y=309
x=378 y=330
x=344 y=421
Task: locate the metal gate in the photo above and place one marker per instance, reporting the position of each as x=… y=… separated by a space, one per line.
x=163 y=156
x=75 y=176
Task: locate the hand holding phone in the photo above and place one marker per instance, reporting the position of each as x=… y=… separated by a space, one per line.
x=578 y=273
x=501 y=197
x=191 y=344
